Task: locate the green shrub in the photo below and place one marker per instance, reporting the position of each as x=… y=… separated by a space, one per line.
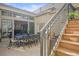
x=72 y=15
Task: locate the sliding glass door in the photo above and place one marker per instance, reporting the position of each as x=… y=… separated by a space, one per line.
x=6 y=26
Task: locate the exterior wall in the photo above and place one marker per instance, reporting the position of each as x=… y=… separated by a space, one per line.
x=41 y=20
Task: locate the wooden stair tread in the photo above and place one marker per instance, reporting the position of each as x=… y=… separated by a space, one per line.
x=67 y=51
x=72 y=34
x=73 y=21
x=72 y=28
x=70 y=42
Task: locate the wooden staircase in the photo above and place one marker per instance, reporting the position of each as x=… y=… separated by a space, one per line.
x=69 y=44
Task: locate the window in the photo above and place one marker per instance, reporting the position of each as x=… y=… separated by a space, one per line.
x=6 y=27
x=6 y=12
x=10 y=13
x=16 y=14
x=30 y=18
x=19 y=15
x=31 y=30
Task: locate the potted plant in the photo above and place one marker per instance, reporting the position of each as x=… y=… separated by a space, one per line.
x=73 y=15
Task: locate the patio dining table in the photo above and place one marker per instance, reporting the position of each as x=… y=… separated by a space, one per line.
x=21 y=36
x=25 y=40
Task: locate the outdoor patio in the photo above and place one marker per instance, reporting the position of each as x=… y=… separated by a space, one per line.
x=33 y=51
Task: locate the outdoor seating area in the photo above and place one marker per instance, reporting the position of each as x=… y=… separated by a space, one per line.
x=22 y=37
x=22 y=40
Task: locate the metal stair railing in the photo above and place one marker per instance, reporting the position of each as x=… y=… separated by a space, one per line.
x=58 y=39
x=54 y=25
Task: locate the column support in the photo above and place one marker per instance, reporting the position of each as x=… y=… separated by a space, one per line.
x=0 y=28
x=28 y=26
x=12 y=27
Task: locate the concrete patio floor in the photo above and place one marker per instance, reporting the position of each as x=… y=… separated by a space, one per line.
x=32 y=51
x=20 y=51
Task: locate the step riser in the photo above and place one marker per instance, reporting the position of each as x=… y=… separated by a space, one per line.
x=72 y=31
x=74 y=22
x=69 y=46
x=71 y=38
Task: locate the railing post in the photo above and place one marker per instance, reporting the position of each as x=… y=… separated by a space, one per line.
x=48 y=40
x=41 y=45
x=68 y=11
x=46 y=44
x=0 y=28
x=13 y=25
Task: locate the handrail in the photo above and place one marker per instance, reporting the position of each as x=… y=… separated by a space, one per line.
x=59 y=38
x=51 y=18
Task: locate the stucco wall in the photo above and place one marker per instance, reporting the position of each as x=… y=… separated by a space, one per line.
x=41 y=20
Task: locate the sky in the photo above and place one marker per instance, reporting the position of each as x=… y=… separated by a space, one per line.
x=27 y=6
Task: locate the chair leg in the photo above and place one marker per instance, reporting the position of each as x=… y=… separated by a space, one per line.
x=0 y=40
x=10 y=44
